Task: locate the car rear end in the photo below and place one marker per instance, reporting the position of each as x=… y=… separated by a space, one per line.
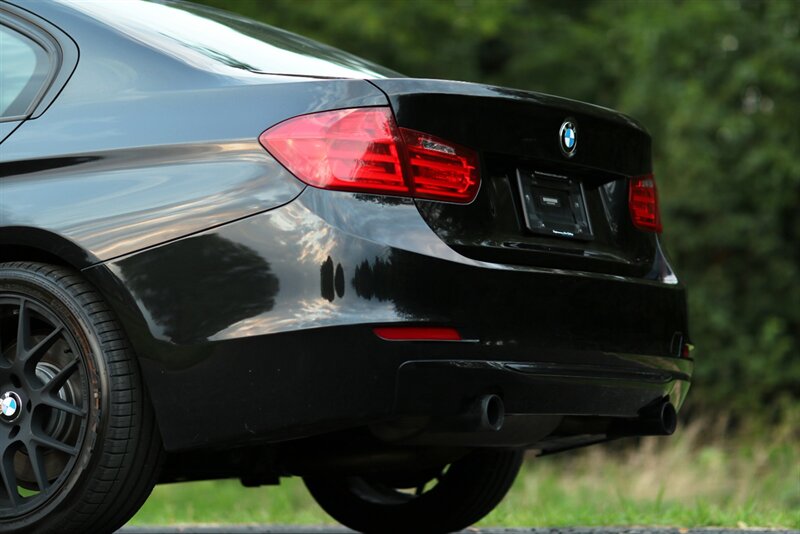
x=552 y=301
x=445 y=249
x=328 y=270
x=452 y=274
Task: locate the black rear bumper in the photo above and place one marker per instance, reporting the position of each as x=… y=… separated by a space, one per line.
x=261 y=330
x=441 y=387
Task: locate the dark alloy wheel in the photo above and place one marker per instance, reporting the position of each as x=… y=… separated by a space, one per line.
x=79 y=449
x=430 y=502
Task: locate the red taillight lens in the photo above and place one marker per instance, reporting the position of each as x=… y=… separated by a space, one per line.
x=362 y=150
x=441 y=170
x=643 y=203
x=417 y=333
x=348 y=149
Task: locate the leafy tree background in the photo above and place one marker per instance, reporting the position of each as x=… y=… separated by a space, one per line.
x=717 y=83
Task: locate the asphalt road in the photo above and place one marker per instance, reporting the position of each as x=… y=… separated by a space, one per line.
x=262 y=529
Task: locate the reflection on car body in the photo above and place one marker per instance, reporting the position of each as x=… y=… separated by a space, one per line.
x=227 y=251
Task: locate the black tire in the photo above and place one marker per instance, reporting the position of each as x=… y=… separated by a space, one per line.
x=463 y=494
x=84 y=417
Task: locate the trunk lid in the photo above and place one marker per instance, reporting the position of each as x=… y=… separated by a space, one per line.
x=538 y=204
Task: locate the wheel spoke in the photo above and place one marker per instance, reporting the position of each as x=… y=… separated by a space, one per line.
x=9 y=476
x=23 y=330
x=33 y=356
x=58 y=381
x=37 y=464
x=54 y=444
x=64 y=406
x=4 y=362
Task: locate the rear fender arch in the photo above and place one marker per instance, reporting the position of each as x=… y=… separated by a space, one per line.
x=18 y=243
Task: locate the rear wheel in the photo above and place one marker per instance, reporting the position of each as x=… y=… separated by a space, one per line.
x=432 y=502
x=79 y=447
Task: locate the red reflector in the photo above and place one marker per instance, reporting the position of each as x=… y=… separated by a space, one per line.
x=643 y=203
x=362 y=150
x=417 y=333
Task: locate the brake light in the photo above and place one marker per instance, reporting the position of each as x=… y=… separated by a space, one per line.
x=643 y=203
x=363 y=150
x=439 y=169
x=349 y=149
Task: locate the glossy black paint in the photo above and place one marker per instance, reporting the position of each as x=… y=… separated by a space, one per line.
x=7 y=127
x=518 y=131
x=273 y=319
x=235 y=281
x=521 y=124
x=147 y=148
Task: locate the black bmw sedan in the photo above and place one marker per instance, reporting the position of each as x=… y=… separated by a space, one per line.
x=227 y=251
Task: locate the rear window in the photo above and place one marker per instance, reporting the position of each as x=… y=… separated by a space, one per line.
x=216 y=40
x=23 y=71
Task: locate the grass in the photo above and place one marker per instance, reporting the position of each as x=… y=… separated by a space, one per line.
x=678 y=481
x=699 y=477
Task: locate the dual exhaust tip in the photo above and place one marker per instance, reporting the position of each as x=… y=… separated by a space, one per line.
x=487 y=414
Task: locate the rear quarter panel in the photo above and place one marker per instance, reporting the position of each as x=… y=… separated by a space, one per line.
x=141 y=148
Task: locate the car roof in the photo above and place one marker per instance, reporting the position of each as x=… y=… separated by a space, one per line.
x=217 y=41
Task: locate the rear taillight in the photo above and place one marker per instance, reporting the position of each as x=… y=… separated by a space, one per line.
x=363 y=150
x=643 y=203
x=439 y=169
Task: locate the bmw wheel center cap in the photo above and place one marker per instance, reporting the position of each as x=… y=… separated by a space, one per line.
x=10 y=406
x=568 y=137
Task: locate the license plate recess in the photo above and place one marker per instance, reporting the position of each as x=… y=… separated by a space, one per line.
x=554 y=205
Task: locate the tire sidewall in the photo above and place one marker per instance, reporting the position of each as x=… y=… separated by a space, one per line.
x=461 y=489
x=48 y=292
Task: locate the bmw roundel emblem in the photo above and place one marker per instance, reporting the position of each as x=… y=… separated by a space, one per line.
x=9 y=406
x=568 y=137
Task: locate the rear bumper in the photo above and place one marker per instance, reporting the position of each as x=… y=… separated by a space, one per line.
x=261 y=330
x=529 y=388
x=548 y=406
